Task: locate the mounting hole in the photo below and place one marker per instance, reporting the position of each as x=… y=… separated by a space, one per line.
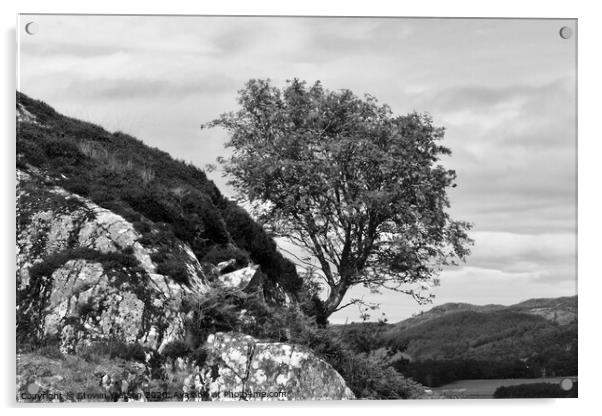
x=565 y=32
x=33 y=388
x=32 y=28
x=566 y=384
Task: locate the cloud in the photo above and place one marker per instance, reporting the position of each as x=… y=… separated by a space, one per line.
x=136 y=88
x=367 y=38
x=73 y=49
x=486 y=97
x=495 y=286
x=514 y=151
x=546 y=254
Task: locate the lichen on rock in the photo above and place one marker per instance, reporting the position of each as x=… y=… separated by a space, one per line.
x=83 y=275
x=240 y=367
x=238 y=279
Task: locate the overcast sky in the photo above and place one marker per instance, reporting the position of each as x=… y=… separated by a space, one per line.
x=504 y=90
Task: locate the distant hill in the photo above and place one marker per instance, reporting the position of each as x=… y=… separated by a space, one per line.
x=458 y=341
x=465 y=331
x=560 y=310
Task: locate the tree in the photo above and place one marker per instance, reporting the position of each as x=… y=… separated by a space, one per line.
x=356 y=187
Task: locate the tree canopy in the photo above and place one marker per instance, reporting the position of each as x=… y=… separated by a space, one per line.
x=357 y=187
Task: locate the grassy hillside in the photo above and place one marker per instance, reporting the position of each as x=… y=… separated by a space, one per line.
x=150 y=189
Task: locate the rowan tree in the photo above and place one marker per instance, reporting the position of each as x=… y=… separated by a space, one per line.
x=360 y=189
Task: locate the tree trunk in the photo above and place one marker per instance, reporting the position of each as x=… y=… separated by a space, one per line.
x=337 y=293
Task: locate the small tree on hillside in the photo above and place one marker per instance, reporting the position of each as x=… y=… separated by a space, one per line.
x=343 y=178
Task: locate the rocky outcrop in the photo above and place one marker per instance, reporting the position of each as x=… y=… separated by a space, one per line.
x=83 y=275
x=112 y=302
x=24 y=116
x=238 y=279
x=240 y=367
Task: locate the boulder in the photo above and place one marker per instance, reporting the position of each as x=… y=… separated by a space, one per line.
x=240 y=367
x=238 y=279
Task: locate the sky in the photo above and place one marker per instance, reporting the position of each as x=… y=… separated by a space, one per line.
x=505 y=90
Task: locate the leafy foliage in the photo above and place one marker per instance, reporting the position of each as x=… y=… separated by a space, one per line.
x=343 y=178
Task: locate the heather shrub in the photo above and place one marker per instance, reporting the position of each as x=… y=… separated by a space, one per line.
x=176 y=349
x=218 y=254
x=174 y=269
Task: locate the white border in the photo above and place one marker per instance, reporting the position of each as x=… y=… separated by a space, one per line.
x=589 y=180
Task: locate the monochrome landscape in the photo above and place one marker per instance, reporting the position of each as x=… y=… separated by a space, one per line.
x=254 y=208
